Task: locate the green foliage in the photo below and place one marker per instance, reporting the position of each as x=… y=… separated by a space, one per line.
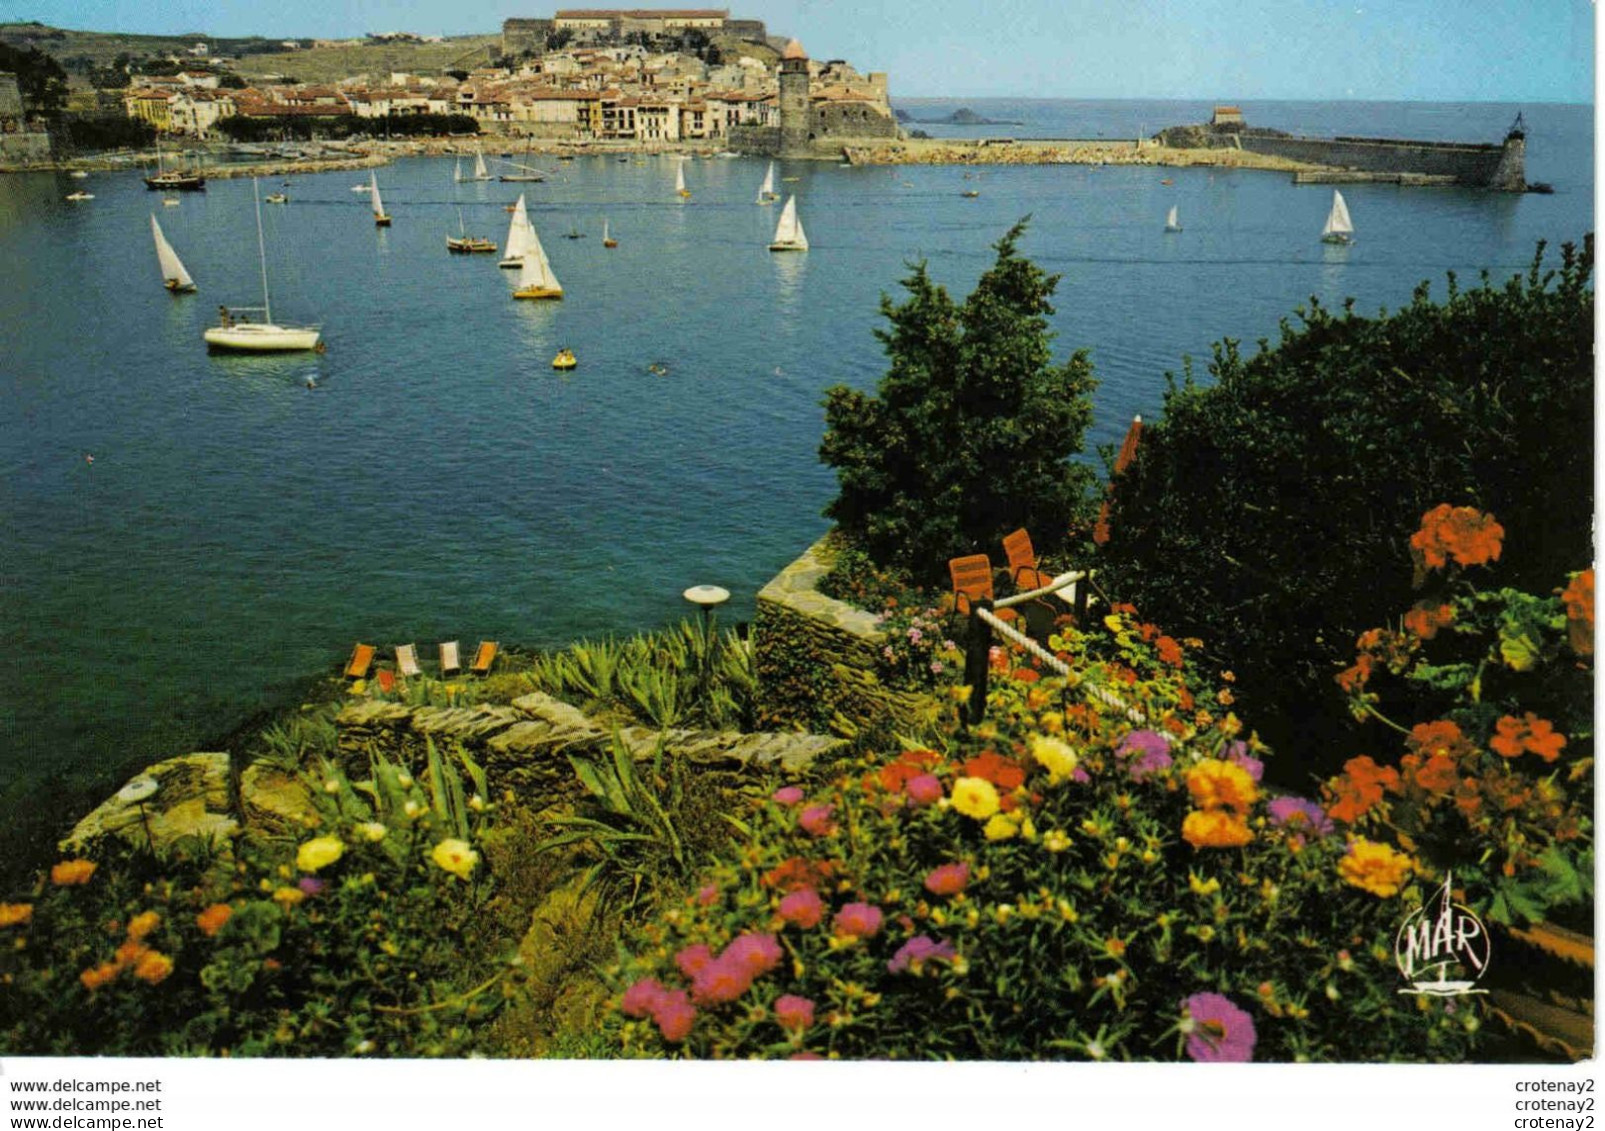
x=338 y=126
x=39 y=77
x=1267 y=510
x=104 y=132
x=971 y=432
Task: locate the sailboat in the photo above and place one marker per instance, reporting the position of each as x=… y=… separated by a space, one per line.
x=380 y=217
x=679 y=182
x=184 y=180
x=607 y=240
x=535 y=278
x=264 y=336
x=526 y=171
x=1339 y=228
x=480 y=172
x=463 y=242
x=174 y=277
x=517 y=236
x=789 y=234
x=457 y=172
x=1172 y=223
x=766 y=191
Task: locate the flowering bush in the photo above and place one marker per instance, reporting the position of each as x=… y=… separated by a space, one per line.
x=1066 y=881
x=1495 y=784
x=366 y=937
x=917 y=653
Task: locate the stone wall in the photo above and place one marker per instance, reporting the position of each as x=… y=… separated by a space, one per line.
x=755 y=141
x=816 y=657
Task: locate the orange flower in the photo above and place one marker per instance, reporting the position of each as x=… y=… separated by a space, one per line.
x=1426 y=618
x=153 y=967
x=1352 y=678
x=1005 y=773
x=1215 y=828
x=142 y=924
x=795 y=873
x=1169 y=651
x=1441 y=737
x=94 y=978
x=1026 y=675
x=1579 y=601
x=131 y=952
x=212 y=919
x=70 y=872
x=1376 y=868
x=1218 y=784
x=1438 y=775
x=12 y=914
x=1461 y=534
x=1360 y=787
x=1529 y=734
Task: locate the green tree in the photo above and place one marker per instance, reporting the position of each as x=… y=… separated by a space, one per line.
x=39 y=77
x=1270 y=512
x=973 y=428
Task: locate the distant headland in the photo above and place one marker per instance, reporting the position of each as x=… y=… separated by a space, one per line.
x=963 y=116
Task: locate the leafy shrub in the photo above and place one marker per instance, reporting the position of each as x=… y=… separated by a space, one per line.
x=365 y=939
x=1267 y=512
x=1061 y=883
x=1497 y=782
x=972 y=428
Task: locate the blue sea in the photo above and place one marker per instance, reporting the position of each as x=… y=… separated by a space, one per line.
x=244 y=520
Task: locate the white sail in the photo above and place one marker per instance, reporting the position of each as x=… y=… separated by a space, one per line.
x=789 y=232
x=766 y=191
x=480 y=172
x=1337 y=221
x=373 y=190
x=518 y=231
x=1172 y=223
x=679 y=178
x=537 y=270
x=172 y=269
x=457 y=172
x=604 y=230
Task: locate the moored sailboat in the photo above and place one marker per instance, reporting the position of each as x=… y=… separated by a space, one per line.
x=517 y=236
x=174 y=277
x=607 y=240
x=463 y=243
x=1172 y=221
x=244 y=336
x=182 y=180
x=535 y=277
x=789 y=235
x=1339 y=228
x=381 y=218
x=766 y=191
x=679 y=182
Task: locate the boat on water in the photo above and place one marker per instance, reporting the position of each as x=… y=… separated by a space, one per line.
x=174 y=277
x=517 y=236
x=971 y=193
x=766 y=191
x=607 y=240
x=789 y=235
x=171 y=202
x=464 y=244
x=1339 y=228
x=236 y=332
x=381 y=218
x=526 y=171
x=480 y=172
x=277 y=198
x=574 y=234
x=361 y=188
x=80 y=195
x=177 y=180
x=78 y=174
x=1172 y=220
x=679 y=182
x=565 y=359
x=535 y=277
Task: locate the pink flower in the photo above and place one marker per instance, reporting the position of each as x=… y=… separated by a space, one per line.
x=756 y=954
x=642 y=998
x=948 y=879
x=674 y=1015
x=924 y=790
x=803 y=908
x=918 y=949
x=1219 y=1031
x=1237 y=753
x=857 y=920
x=787 y=795
x=720 y=981
x=794 y=1013
x=692 y=959
x=708 y=895
x=816 y=820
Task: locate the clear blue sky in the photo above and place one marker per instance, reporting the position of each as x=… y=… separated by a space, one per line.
x=1435 y=50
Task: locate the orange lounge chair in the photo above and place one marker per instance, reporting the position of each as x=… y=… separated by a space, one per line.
x=386 y=679
x=450 y=662
x=484 y=657
x=1023 y=562
x=407 y=661
x=972 y=581
x=361 y=660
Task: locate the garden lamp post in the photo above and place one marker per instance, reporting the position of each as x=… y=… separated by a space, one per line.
x=707 y=598
x=138 y=791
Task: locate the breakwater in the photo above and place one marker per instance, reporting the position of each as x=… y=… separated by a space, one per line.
x=1062 y=151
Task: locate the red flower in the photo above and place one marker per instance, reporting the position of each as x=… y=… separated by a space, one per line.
x=802 y=908
x=1169 y=651
x=1438 y=775
x=1529 y=734
x=947 y=879
x=1425 y=618
x=1360 y=787
x=1579 y=600
x=799 y=873
x=1005 y=773
x=1441 y=737
x=1026 y=675
x=1460 y=534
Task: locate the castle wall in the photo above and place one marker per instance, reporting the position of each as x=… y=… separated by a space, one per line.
x=835 y=122
x=1469 y=164
x=755 y=141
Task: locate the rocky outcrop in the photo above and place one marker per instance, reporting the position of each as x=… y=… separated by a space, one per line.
x=190 y=799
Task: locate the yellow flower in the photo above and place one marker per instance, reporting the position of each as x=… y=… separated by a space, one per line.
x=359 y=687
x=456 y=857
x=1056 y=840
x=153 y=967
x=975 y=797
x=12 y=914
x=288 y=897
x=1202 y=886
x=1376 y=868
x=143 y=924
x=1215 y=828
x=371 y=831
x=1113 y=623
x=94 y=978
x=413 y=810
x=1054 y=756
x=319 y=853
x=999 y=827
x=70 y=872
x=212 y=919
x=1218 y=784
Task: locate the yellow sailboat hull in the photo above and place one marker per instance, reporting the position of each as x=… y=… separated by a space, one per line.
x=538 y=292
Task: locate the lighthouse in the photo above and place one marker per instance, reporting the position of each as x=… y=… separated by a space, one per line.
x=795 y=112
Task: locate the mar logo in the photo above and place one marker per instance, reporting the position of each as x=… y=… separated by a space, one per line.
x=1442 y=948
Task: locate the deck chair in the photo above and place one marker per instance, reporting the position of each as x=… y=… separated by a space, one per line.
x=1023 y=562
x=407 y=660
x=387 y=680
x=972 y=581
x=450 y=662
x=484 y=657
x=361 y=660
